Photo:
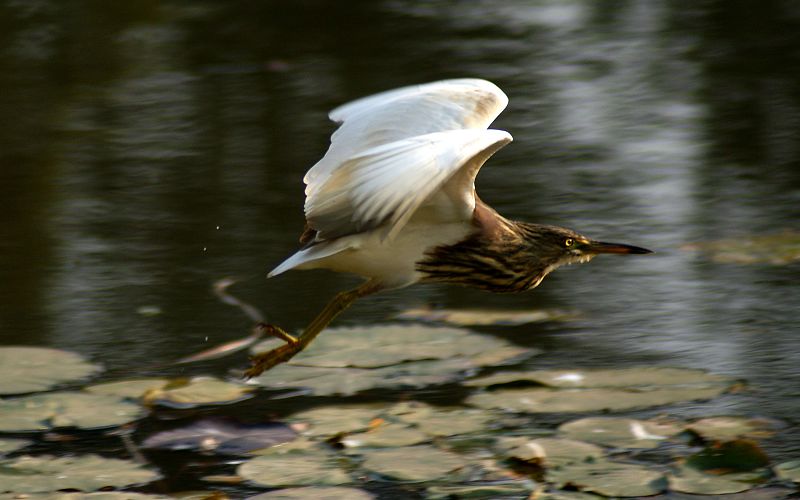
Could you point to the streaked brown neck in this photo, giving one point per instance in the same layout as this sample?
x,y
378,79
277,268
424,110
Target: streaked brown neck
x,y
496,257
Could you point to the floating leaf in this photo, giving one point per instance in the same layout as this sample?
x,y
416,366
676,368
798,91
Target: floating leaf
x,y
489,491
380,346
445,422
474,317
32,369
730,428
619,432
347,361
97,495
737,456
29,474
543,400
789,470
639,377
566,495
690,480
65,409
551,452
220,435
199,391
778,249
386,435
129,389
609,479
412,463
10,445
315,492
329,421
290,469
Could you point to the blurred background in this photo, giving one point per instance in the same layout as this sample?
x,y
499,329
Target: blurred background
x,y
149,148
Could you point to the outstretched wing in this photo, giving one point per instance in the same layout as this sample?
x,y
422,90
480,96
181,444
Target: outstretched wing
x,y
396,149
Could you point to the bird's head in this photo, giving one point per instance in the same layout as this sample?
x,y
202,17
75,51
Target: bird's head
x,y
551,247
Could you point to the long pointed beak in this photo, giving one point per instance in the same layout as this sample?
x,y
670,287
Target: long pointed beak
x,y
619,248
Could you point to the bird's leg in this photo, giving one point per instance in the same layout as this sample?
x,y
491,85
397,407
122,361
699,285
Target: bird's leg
x,y
264,361
277,332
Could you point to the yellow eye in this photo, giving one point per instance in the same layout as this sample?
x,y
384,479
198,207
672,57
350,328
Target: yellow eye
x,y
569,242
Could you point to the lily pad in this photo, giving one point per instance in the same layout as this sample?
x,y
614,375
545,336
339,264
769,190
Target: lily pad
x,y
223,436
544,400
291,469
731,428
346,361
777,249
488,491
690,480
315,492
551,452
198,391
609,479
10,445
329,421
740,455
476,317
129,389
379,346
386,435
40,474
412,463
42,412
32,369
97,495
639,377
789,470
620,432
446,422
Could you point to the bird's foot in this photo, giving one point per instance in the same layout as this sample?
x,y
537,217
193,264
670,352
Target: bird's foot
x,y
264,361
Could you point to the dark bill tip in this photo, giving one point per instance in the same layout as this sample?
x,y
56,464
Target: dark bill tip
x,y
620,248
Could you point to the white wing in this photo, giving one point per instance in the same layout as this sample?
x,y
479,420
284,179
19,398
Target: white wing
x,y
396,149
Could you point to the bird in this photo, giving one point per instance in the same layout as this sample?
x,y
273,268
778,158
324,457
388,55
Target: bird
x,y
393,200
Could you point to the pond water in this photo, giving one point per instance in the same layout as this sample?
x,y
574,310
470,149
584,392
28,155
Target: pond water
x,y
149,149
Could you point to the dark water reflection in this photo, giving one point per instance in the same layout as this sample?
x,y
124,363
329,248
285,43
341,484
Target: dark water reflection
x,y
151,148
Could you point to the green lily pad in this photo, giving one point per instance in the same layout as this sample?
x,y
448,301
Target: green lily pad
x,y
199,391
475,317
777,249
347,361
544,400
292,469
412,463
619,432
731,428
567,495
315,492
639,377
97,495
9,445
609,479
329,421
447,422
551,452
488,491
690,480
379,346
129,389
386,435
736,456
789,471
32,369
42,412
41,474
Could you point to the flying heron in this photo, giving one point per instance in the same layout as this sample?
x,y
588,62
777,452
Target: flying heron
x,y
393,200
